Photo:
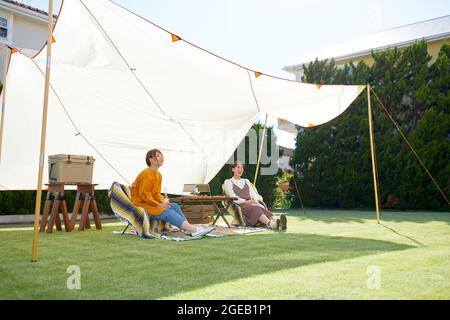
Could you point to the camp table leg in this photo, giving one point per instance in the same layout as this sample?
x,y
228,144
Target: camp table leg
x,y
220,213
58,222
55,210
76,208
87,223
60,199
48,205
84,212
67,226
98,224
215,220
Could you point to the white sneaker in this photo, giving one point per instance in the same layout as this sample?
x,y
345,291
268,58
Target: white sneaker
x,y
201,232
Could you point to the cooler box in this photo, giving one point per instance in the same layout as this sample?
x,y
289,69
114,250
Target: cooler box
x,y
70,169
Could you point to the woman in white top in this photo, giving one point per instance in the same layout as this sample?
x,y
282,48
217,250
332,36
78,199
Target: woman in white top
x,y
249,201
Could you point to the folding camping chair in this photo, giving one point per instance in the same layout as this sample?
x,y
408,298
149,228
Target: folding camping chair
x,y
126,211
236,211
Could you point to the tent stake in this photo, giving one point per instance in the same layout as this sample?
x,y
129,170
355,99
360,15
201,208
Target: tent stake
x,y
372,149
37,208
260,150
2,121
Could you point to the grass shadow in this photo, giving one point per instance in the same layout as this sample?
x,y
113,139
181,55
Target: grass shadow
x,y
128,267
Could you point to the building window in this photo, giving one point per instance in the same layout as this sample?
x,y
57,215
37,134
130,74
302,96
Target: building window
x,y
3,28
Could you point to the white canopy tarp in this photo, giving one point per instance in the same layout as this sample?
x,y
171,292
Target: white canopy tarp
x,y
121,86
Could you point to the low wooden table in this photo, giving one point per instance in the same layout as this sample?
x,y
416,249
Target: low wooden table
x,y
220,212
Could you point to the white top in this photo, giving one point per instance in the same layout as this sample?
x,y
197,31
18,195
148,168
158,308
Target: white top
x,y
228,188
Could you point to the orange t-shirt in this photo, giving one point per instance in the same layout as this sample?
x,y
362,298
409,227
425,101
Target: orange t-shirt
x,y
146,191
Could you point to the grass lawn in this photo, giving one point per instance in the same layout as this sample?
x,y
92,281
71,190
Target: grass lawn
x,y
323,255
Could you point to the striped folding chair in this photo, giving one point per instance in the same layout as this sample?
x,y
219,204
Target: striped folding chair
x,y
236,211
137,217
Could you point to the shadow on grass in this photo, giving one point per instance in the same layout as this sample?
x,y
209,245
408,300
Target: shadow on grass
x,y
213,261
403,235
128,267
333,216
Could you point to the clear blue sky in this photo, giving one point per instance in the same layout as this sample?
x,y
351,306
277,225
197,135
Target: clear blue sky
x,y
267,35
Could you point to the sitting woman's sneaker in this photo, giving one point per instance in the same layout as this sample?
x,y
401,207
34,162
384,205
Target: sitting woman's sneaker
x,y
283,222
201,232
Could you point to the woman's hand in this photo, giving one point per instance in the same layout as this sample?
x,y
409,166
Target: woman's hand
x,y
164,204
252,202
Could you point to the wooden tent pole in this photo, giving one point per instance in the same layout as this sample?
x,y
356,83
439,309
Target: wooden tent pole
x,y
2,121
372,148
260,150
37,208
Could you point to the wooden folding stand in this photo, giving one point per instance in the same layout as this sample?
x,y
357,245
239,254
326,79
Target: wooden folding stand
x,y
55,200
85,200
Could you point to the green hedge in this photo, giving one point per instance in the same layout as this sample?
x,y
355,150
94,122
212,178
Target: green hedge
x,y
23,202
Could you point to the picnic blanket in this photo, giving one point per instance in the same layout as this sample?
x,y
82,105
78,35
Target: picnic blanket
x,y
219,232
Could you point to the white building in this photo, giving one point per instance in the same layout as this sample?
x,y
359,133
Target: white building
x,y
435,31
285,158
21,26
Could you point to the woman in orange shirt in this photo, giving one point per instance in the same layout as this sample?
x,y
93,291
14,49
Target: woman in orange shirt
x,y
146,193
